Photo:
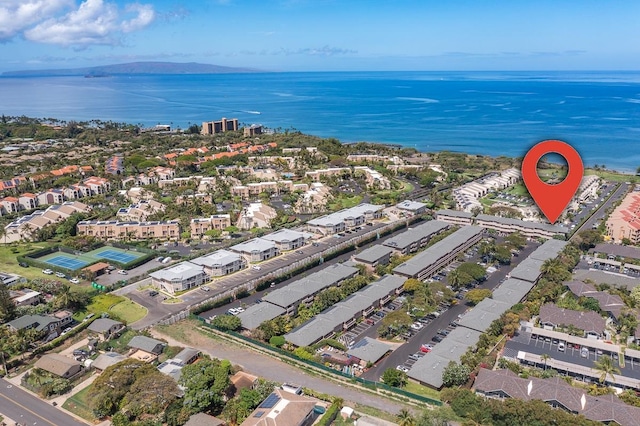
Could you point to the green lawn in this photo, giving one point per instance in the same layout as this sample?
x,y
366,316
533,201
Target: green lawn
x,y
422,390
79,405
9,262
129,311
345,202
611,176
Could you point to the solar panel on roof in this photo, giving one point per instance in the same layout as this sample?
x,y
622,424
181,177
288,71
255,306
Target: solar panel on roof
x,y
270,402
258,414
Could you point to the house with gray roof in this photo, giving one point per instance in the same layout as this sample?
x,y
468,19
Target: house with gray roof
x,y
383,289
48,325
179,277
415,237
548,250
590,322
426,263
258,313
106,360
616,251
257,249
288,239
315,329
105,327
147,344
60,365
483,314
187,355
369,350
512,291
373,256
220,263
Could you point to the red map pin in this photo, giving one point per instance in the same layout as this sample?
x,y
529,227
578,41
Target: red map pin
x,y
552,199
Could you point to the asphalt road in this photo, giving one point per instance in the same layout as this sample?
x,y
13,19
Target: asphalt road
x,y
401,355
600,213
26,408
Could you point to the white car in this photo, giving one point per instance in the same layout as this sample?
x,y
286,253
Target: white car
x,y
205,288
416,326
122,272
59,275
257,268
403,368
240,309
233,311
47,271
74,281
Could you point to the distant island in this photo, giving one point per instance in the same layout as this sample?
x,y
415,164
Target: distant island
x,y
134,68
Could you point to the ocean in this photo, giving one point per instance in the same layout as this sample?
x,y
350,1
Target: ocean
x,y
494,113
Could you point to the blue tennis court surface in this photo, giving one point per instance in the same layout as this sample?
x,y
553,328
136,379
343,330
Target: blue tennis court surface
x,y
116,256
67,262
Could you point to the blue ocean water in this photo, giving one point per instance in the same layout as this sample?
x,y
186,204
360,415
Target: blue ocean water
x,y
495,113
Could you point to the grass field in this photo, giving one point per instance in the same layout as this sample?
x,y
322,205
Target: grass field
x,y
518,189
129,311
9,263
422,390
345,202
79,405
611,176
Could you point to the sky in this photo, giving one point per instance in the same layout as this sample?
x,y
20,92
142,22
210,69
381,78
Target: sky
x,y
324,35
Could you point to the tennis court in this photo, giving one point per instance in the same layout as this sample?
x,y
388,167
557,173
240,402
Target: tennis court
x,y
115,254
66,261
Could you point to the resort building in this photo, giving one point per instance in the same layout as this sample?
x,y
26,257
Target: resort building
x,y
507,225
345,219
179,277
220,262
624,221
116,230
374,256
224,125
256,215
287,239
140,211
411,208
257,250
455,217
199,226
415,237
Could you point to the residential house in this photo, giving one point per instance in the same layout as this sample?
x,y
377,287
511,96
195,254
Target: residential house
x,y
105,327
199,226
106,360
10,205
147,344
51,196
283,408
28,201
60,365
256,215
140,211
25,297
552,317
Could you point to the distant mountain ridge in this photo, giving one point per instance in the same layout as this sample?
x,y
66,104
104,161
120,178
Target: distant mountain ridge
x,y
135,68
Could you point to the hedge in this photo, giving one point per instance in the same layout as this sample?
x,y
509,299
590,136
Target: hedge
x,y
330,415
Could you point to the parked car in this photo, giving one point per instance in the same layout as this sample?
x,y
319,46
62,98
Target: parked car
x,y
369,321
299,252
584,353
74,280
205,288
65,331
256,267
47,271
159,259
414,357
416,326
403,368
60,275
153,293
24,265
122,272
88,317
437,338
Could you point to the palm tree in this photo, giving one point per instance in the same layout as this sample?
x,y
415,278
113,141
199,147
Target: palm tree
x,y
606,367
545,358
405,418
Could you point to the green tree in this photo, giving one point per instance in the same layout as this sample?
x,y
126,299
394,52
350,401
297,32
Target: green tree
x,y
455,374
113,384
588,239
474,270
606,367
405,418
150,394
458,279
206,383
516,240
226,322
412,285
7,307
393,377
477,295
545,358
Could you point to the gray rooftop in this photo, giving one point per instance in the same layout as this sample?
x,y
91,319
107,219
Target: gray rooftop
x,y
557,229
307,334
369,349
602,277
454,213
416,234
312,284
483,314
186,354
512,291
342,215
373,254
217,258
145,343
528,270
383,286
178,272
256,314
103,324
429,369
107,359
433,254
286,235
256,245
410,205
548,250
617,250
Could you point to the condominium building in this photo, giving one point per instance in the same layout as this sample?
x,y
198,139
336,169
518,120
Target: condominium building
x,y
220,262
179,277
224,125
345,219
140,211
624,221
257,249
115,230
199,226
528,229
256,215
287,239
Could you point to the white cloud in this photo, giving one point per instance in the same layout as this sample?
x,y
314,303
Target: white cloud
x,y
18,15
63,22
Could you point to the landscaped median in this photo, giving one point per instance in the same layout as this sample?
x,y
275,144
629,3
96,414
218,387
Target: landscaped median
x,y
313,367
